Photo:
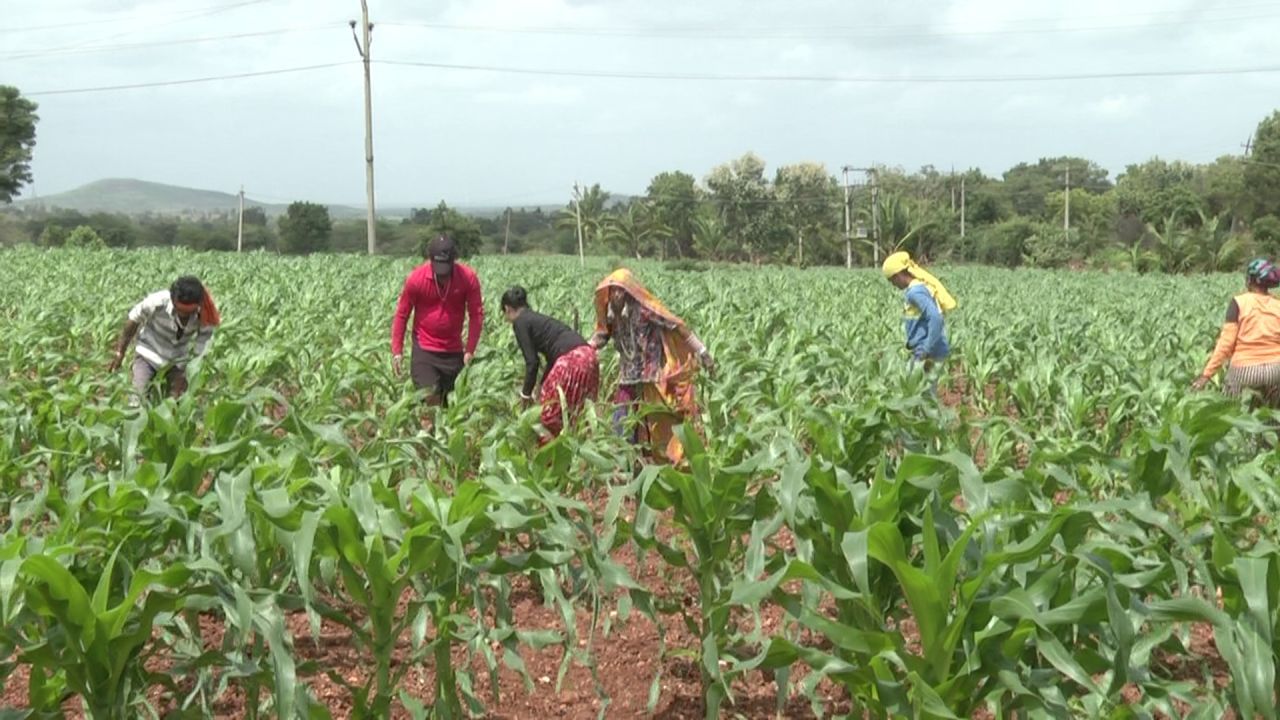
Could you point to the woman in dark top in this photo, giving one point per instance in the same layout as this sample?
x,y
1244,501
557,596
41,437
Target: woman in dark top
x,y
573,371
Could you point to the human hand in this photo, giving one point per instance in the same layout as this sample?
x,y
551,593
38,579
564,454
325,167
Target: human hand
x,y
467,358
116,361
1200,383
397,365
708,363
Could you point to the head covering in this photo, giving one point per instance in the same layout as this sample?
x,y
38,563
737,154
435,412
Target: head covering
x,y
675,386
1263,274
442,252
626,280
209,315
901,261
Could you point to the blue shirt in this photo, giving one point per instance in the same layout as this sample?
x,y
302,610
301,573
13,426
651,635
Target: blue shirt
x,y
926,336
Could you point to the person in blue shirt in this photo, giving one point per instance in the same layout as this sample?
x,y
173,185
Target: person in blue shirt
x,y
926,300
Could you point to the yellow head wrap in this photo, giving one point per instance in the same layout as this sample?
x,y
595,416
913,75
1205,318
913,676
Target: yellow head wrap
x,y
901,260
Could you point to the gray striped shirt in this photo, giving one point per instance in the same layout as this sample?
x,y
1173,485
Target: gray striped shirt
x,y
162,339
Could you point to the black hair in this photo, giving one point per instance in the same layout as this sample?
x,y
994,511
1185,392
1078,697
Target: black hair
x,y
515,298
187,289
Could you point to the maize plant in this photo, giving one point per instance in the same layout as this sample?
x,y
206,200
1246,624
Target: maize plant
x,y
1063,530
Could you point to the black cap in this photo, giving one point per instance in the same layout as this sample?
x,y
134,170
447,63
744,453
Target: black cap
x,y
442,252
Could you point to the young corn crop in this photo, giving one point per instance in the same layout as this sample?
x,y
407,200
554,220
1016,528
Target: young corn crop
x,y
1047,538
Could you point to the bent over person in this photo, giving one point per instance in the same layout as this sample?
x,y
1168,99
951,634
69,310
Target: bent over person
x,y
925,300
172,327
1250,338
573,370
440,294
658,359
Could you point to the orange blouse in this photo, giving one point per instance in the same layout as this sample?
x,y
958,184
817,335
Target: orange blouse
x,y
1251,334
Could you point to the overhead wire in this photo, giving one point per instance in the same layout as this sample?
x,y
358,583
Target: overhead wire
x,y
188,81
835,79
22,55
187,15
838,32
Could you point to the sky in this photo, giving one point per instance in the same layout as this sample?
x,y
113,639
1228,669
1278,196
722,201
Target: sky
x,y
661,85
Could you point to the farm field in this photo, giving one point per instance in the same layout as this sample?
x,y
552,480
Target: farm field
x,y
1066,531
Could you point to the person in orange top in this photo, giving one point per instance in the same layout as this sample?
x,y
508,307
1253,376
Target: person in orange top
x,y
658,360
1250,338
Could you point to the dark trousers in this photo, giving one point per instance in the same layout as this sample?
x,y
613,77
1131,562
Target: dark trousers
x,y
435,372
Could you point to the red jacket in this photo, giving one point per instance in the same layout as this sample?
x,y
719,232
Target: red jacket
x,y
438,311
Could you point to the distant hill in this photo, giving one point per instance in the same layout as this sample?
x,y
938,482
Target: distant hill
x,y
139,197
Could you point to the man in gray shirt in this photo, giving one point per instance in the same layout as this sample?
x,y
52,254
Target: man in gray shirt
x,y
170,325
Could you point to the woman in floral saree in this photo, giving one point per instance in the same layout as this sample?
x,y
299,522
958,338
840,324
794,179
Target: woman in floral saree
x,y
658,359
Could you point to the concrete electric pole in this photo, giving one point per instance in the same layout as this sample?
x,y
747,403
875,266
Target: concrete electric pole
x,y
577,213
363,47
848,237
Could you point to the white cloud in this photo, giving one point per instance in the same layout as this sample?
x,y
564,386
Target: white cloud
x,y
1118,107
538,94
301,133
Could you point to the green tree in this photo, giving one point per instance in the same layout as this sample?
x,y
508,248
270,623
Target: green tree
x,y
1156,189
255,216
1224,189
463,229
1262,169
674,197
305,228
742,194
808,204
53,235
1266,235
632,230
86,238
1028,185
592,205
709,239
1093,220
17,140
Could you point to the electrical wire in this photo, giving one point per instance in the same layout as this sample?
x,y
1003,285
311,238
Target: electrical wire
x,y
854,79
187,15
23,55
187,81
825,32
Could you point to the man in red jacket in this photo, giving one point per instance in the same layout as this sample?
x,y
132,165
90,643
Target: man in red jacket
x,y
437,293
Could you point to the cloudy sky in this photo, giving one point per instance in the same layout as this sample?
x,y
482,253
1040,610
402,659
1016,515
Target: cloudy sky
x,y
659,85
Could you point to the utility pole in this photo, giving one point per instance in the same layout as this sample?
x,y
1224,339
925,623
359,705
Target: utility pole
x,y
875,215
953,189
506,239
240,226
961,207
1066,208
363,47
577,212
848,237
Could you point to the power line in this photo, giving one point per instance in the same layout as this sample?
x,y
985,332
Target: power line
x,y
77,50
813,33
863,79
187,81
187,14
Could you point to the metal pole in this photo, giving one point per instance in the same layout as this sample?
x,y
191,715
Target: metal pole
x,y
577,212
875,216
240,225
367,34
1066,208
961,208
506,239
848,237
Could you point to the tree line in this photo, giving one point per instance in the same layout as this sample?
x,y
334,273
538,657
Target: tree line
x,y
1159,215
